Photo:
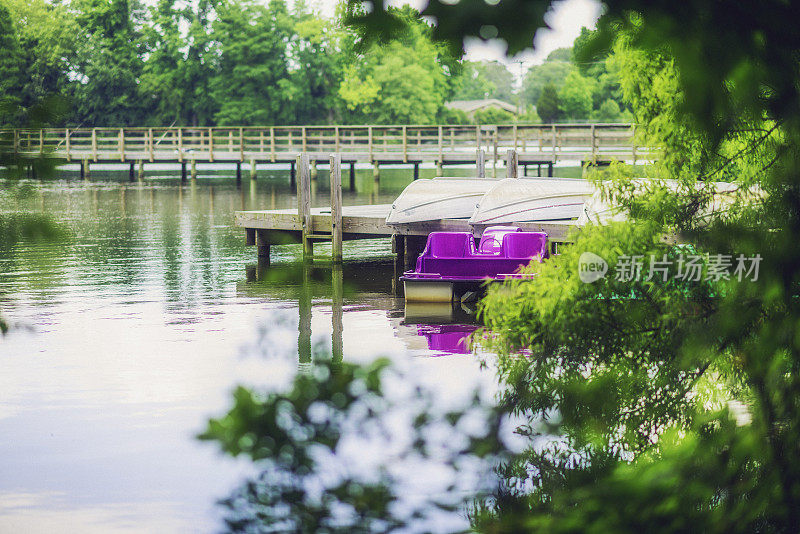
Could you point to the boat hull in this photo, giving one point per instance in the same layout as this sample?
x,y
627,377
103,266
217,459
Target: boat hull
x,y
438,198
515,200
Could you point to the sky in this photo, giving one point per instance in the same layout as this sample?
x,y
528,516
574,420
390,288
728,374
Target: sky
x,y
566,19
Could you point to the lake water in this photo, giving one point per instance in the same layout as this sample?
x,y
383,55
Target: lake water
x,y
131,332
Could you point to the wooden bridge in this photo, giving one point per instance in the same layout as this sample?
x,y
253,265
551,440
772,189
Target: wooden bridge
x,y
447,144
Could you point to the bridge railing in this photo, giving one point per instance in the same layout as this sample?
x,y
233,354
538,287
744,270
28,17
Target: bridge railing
x,y
275,142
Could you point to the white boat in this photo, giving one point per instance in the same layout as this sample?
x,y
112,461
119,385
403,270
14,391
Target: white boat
x,y
598,210
515,200
438,198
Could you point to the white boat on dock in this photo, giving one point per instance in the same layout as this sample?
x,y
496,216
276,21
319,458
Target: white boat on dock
x,y
516,200
482,201
438,198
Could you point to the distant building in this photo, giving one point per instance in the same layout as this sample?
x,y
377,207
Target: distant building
x,y
470,107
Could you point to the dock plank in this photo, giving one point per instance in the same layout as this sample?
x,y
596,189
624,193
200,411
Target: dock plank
x,y
370,221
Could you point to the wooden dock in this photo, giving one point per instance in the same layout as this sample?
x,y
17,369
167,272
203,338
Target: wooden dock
x,y
337,223
534,144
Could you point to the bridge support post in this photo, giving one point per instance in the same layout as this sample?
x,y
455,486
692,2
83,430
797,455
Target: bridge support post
x,y
480,163
253,172
292,174
238,172
416,171
140,175
193,169
130,171
183,171
313,170
376,172
550,170
85,169
352,176
439,169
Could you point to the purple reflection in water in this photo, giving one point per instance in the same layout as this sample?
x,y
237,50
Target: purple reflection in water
x,y
451,338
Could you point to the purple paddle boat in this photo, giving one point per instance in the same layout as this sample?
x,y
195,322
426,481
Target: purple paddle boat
x,y
451,265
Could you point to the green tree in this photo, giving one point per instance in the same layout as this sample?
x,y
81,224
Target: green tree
x,y
46,36
404,80
179,64
11,70
485,79
608,112
594,64
560,54
494,116
575,97
317,58
108,62
548,106
551,73
252,84
163,80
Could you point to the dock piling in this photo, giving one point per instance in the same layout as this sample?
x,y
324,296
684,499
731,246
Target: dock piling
x,y
416,171
304,323
337,305
253,171
352,176
336,207
183,171
238,172
262,246
399,250
193,169
131,172
140,175
304,203
413,247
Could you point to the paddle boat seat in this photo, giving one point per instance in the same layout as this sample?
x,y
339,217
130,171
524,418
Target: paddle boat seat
x,y
451,259
525,245
492,238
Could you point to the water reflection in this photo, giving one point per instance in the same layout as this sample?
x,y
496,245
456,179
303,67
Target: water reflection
x,y
133,331
441,328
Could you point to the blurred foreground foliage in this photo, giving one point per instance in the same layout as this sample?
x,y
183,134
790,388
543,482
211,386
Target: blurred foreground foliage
x,y
342,451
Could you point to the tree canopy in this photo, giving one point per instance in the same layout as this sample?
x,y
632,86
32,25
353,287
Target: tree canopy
x,y
241,62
